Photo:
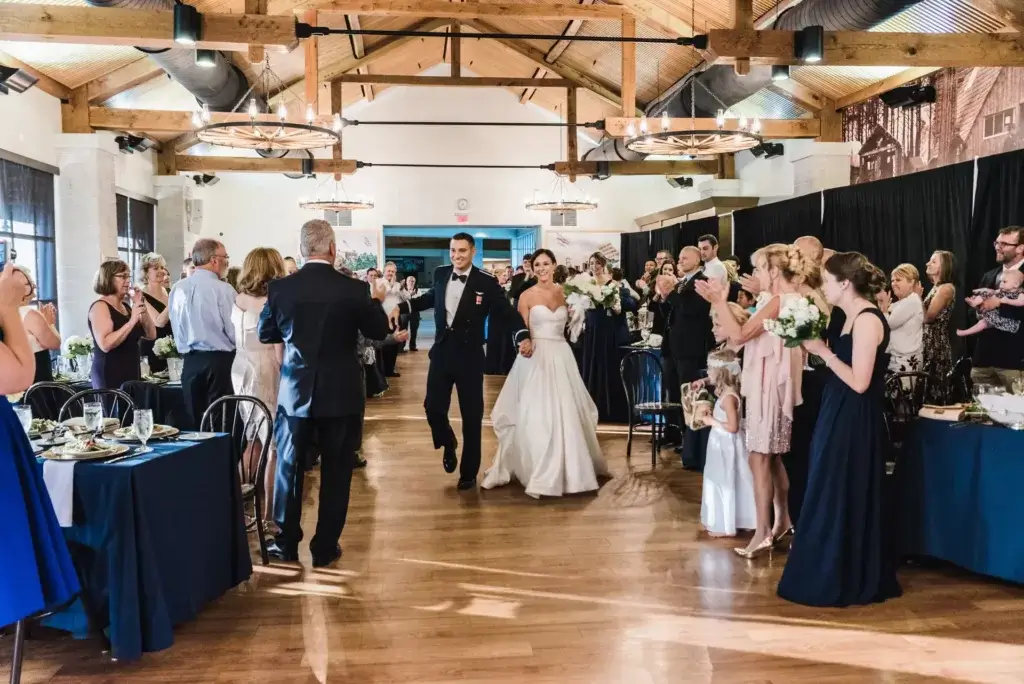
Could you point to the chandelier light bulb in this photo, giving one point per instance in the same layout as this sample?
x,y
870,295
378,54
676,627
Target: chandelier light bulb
x,y
253,109
282,112
643,126
720,119
664,121
743,122
197,119
631,130
757,125
338,123
205,113
310,115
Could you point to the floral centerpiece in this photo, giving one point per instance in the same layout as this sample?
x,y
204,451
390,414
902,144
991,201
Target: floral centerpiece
x,y
799,320
77,355
76,346
165,348
583,293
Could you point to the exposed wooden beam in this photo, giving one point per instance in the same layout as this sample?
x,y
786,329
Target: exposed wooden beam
x,y
382,49
183,142
163,121
895,81
742,20
628,66
355,39
119,80
260,165
312,63
653,13
570,30
572,143
256,52
1010,12
770,128
456,43
701,167
831,123
727,166
45,83
866,48
141,28
528,93
538,57
767,20
472,10
367,87
488,81
166,161
75,114
336,106
798,93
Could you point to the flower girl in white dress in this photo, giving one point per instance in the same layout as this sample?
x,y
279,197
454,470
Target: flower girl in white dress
x,y
544,418
727,501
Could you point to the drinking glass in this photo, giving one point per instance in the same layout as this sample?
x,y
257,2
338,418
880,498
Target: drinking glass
x,y
92,414
144,428
24,414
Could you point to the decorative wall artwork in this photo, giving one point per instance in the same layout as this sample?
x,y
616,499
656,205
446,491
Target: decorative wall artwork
x,y
573,248
358,249
977,112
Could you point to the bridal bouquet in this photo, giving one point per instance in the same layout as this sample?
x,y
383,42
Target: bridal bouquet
x,y
582,293
799,319
76,346
165,348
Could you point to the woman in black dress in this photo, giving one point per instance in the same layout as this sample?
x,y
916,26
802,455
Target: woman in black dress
x,y
838,557
603,337
117,327
154,276
40,324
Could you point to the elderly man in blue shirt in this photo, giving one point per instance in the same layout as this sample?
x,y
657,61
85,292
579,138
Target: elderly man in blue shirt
x,y
201,308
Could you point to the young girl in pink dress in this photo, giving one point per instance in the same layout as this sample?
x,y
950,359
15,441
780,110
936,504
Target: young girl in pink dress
x,y
771,385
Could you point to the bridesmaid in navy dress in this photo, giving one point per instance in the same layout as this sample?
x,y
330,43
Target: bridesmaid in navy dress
x,y
839,555
603,338
117,327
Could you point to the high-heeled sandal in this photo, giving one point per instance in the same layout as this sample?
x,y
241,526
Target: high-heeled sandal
x,y
790,532
766,546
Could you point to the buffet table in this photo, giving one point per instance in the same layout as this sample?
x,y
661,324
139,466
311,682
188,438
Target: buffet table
x,y
958,490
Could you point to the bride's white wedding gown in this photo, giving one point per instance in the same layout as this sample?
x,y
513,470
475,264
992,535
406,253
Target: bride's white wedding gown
x,y
544,417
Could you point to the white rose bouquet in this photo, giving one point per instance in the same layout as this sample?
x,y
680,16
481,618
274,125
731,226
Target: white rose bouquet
x,y
75,346
799,320
165,348
582,293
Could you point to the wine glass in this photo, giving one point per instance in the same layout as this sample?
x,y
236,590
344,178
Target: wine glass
x,y
92,415
144,428
24,414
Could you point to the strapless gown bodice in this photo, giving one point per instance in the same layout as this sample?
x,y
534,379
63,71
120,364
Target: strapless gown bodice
x,y
546,324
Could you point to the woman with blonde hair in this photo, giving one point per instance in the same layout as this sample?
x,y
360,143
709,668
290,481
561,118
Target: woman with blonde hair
x,y
771,385
40,324
905,312
154,278
256,370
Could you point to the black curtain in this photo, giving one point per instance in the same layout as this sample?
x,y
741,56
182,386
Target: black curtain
x,y
691,230
998,203
667,239
27,220
143,228
782,222
633,252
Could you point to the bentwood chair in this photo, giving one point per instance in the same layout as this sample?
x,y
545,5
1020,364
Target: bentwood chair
x,y
961,387
116,404
905,393
247,420
640,371
46,399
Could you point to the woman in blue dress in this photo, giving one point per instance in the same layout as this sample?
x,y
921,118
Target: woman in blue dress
x,y
605,334
36,573
839,556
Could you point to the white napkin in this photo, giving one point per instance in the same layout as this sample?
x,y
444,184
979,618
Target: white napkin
x,y
59,477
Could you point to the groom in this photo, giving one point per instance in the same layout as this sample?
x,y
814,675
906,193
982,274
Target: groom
x,y
462,297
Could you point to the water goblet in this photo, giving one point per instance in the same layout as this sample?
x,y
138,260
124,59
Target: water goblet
x,y
92,415
24,414
143,428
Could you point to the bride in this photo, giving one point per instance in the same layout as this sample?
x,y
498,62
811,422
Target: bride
x,y
544,417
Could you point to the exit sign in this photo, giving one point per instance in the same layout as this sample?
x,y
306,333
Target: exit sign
x,y
462,218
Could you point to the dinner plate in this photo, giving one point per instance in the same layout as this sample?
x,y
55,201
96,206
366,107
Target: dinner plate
x,y
108,451
197,436
127,434
78,424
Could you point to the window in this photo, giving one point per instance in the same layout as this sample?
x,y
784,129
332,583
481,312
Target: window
x,y
135,232
27,223
999,123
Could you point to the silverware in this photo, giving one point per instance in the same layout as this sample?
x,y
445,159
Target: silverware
x,y
130,454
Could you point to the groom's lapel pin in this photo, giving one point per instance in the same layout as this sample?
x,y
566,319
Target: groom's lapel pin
x,y
479,298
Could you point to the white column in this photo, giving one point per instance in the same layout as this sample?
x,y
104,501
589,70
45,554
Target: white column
x,y
86,230
820,166
172,194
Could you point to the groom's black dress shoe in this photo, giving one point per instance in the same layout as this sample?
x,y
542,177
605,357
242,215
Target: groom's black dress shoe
x,y
451,458
465,484
275,551
323,561
360,462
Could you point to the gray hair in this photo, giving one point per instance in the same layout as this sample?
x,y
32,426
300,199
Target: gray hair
x,y
203,251
316,238
391,263
150,260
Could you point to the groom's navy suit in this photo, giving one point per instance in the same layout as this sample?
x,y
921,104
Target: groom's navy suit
x,y
457,357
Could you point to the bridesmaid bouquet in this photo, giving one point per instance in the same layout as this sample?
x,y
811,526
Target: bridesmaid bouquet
x,y
165,348
799,319
582,293
76,346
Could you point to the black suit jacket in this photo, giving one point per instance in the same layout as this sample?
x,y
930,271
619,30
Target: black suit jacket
x,y
688,322
996,348
520,283
481,298
318,314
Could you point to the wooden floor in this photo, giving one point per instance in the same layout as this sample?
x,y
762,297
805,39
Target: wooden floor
x,y
618,587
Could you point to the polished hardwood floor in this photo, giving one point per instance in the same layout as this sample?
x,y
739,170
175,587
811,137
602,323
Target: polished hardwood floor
x,y
492,586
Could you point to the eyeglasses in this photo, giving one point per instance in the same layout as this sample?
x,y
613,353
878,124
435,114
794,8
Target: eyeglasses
x,y
1000,243
123,276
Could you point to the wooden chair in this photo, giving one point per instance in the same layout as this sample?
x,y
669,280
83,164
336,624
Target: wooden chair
x,y
250,429
116,404
640,371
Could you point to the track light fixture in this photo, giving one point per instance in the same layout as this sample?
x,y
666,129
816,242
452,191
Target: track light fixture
x,y
768,150
909,96
681,182
12,78
131,143
307,166
206,58
780,72
809,44
188,24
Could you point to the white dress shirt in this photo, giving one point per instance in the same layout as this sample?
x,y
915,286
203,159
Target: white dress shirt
x,y
453,294
906,326
715,270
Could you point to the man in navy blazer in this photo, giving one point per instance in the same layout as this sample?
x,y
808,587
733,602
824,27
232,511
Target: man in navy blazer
x,y
318,314
462,298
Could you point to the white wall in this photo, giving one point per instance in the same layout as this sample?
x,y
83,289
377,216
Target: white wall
x,y
249,210
806,167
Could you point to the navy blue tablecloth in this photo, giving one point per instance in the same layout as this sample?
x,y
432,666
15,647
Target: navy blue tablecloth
x,y
154,539
958,493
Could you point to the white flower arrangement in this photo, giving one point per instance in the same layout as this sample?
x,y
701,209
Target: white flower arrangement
x,y
799,319
582,293
165,348
76,346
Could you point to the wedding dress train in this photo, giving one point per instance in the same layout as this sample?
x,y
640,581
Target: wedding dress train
x,y
544,417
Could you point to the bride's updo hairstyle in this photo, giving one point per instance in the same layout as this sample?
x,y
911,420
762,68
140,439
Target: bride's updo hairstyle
x,y
866,279
795,266
546,252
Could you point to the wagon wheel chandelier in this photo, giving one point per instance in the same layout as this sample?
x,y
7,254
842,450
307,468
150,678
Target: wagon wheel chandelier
x,y
255,129
336,200
561,197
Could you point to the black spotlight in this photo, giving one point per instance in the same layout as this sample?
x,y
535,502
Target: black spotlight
x,y
131,143
603,171
206,58
307,167
773,150
809,44
205,179
908,96
188,24
681,182
758,151
780,72
12,78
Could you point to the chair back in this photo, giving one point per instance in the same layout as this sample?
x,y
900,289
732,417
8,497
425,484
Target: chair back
x,y
116,404
961,388
905,393
46,399
248,421
640,371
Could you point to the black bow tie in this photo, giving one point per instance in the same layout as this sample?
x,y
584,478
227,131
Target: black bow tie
x,y
456,276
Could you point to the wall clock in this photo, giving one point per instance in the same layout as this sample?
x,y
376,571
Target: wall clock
x,y
462,204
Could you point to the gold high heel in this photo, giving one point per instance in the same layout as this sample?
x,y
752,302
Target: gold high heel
x,y
766,546
791,532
